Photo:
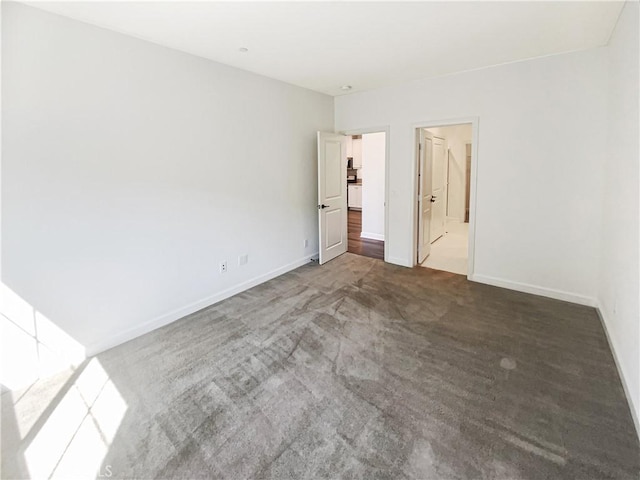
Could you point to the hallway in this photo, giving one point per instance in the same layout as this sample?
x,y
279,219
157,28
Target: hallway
x,y
358,245
450,252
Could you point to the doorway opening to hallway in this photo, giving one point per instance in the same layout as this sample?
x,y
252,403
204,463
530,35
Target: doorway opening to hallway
x,y
444,183
366,156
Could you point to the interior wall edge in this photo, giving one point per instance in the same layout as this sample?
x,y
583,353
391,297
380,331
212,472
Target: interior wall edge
x,y
534,289
118,338
616,359
400,261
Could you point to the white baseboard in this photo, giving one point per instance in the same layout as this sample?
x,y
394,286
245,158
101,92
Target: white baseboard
x,y
170,317
623,378
372,236
536,290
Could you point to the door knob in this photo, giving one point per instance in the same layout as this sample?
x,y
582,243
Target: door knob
x,y
433,199
323,206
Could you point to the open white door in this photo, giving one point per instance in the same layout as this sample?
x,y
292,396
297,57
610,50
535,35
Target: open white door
x,y
438,191
425,194
332,195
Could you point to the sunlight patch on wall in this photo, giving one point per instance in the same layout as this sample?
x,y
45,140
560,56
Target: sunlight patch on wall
x,y
32,345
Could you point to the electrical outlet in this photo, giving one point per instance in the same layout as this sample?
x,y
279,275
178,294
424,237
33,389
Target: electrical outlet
x,y
243,259
306,243
223,267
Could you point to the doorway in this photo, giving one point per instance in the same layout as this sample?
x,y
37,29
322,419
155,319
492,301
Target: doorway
x,y
444,181
366,155
344,162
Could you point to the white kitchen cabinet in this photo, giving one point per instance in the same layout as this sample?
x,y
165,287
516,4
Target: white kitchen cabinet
x,y
355,196
356,152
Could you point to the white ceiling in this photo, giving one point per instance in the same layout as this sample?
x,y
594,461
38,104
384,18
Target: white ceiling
x,y
324,45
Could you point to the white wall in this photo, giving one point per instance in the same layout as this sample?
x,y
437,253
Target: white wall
x,y
541,143
618,286
457,137
373,153
130,171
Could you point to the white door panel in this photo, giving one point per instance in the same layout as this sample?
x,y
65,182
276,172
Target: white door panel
x,y
333,228
425,191
333,170
332,195
438,187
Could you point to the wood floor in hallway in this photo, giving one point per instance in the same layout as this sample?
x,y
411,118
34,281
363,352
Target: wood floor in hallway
x,y
359,245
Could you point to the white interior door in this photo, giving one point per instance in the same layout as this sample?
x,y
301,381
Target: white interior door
x,y
425,162
439,177
332,195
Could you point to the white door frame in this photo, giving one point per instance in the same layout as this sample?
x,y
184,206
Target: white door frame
x,y
387,130
474,121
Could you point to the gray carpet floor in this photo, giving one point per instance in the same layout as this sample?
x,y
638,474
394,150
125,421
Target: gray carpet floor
x,y
356,369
